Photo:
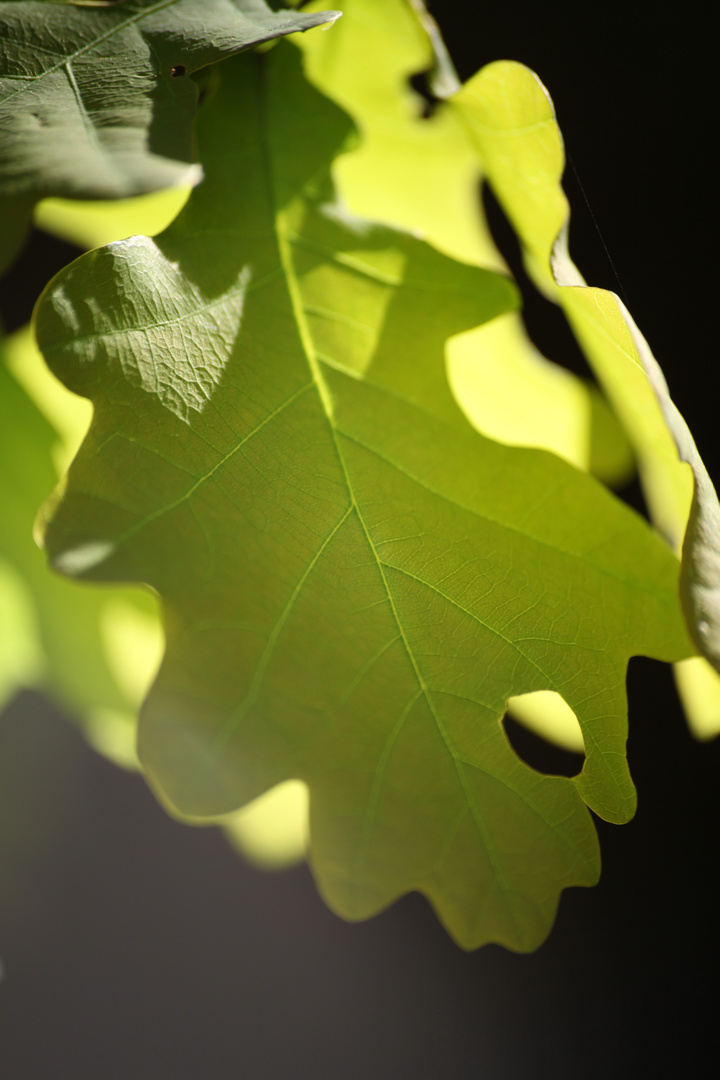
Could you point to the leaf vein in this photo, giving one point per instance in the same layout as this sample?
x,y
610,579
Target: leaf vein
x,y
161,510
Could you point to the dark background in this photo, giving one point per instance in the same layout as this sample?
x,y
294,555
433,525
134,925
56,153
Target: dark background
x,y
138,949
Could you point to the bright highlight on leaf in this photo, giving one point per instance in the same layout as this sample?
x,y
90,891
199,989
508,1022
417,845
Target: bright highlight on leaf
x,y
354,580
548,715
92,224
273,831
424,175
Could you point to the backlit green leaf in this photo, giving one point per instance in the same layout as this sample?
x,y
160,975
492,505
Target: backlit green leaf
x,y
53,635
423,174
354,580
272,830
510,119
92,224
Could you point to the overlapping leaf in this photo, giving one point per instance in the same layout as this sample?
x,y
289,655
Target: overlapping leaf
x,y
510,119
424,174
91,224
354,580
96,651
96,100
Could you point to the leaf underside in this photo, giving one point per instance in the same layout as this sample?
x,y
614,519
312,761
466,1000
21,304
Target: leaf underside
x,y
96,102
354,580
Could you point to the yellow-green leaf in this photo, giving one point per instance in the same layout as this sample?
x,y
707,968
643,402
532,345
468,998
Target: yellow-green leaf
x,y
510,119
354,580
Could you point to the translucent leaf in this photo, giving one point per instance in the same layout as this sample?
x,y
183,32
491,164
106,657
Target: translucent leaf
x,y
354,580
424,175
50,631
510,119
273,830
699,689
92,224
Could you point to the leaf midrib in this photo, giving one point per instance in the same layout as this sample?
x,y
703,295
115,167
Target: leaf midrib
x,y
283,233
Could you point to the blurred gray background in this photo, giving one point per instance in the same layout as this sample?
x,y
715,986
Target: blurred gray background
x,y
135,948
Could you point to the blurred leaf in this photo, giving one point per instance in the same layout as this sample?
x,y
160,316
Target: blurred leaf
x,y
15,213
699,689
50,631
511,393
510,119
93,224
354,581
21,659
273,830
68,414
413,173
423,174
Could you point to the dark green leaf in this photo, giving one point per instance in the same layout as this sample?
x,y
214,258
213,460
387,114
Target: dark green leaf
x,y
97,102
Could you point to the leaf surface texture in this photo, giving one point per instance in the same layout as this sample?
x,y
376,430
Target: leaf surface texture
x,y
96,101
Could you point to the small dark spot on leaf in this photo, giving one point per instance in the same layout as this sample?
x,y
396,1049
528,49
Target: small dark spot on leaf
x,y
178,71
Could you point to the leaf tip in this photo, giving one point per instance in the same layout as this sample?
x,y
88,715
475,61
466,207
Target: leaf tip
x,y
333,17
193,176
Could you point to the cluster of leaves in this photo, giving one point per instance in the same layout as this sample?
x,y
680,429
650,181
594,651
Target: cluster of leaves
x,y
373,515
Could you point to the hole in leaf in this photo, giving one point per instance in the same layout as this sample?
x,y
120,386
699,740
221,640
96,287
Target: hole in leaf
x,y
544,733
178,71
540,754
